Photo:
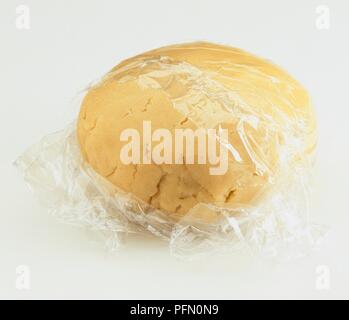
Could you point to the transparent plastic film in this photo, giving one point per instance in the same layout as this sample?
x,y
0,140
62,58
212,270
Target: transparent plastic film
x,y
250,191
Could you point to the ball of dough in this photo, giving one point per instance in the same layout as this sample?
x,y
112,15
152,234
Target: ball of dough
x,y
268,116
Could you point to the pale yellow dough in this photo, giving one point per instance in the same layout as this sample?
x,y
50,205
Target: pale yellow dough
x,y
268,114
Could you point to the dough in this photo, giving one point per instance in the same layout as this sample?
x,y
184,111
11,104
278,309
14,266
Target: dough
x,y
268,115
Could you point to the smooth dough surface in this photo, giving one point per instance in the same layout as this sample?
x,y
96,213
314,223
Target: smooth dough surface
x,y
267,113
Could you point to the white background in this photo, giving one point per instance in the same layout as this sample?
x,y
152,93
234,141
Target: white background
x,y
70,44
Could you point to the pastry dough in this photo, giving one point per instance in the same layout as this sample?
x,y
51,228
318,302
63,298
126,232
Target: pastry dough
x,y
268,115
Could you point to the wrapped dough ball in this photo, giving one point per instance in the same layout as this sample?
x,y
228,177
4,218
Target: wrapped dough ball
x,y
267,114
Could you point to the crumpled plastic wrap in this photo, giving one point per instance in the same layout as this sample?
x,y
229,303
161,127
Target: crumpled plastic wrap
x,y
277,225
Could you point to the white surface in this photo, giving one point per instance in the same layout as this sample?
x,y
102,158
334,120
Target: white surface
x,y
71,43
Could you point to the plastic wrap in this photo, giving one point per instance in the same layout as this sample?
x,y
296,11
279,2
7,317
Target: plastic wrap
x,y
276,223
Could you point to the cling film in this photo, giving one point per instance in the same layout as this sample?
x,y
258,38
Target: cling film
x,y
256,197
